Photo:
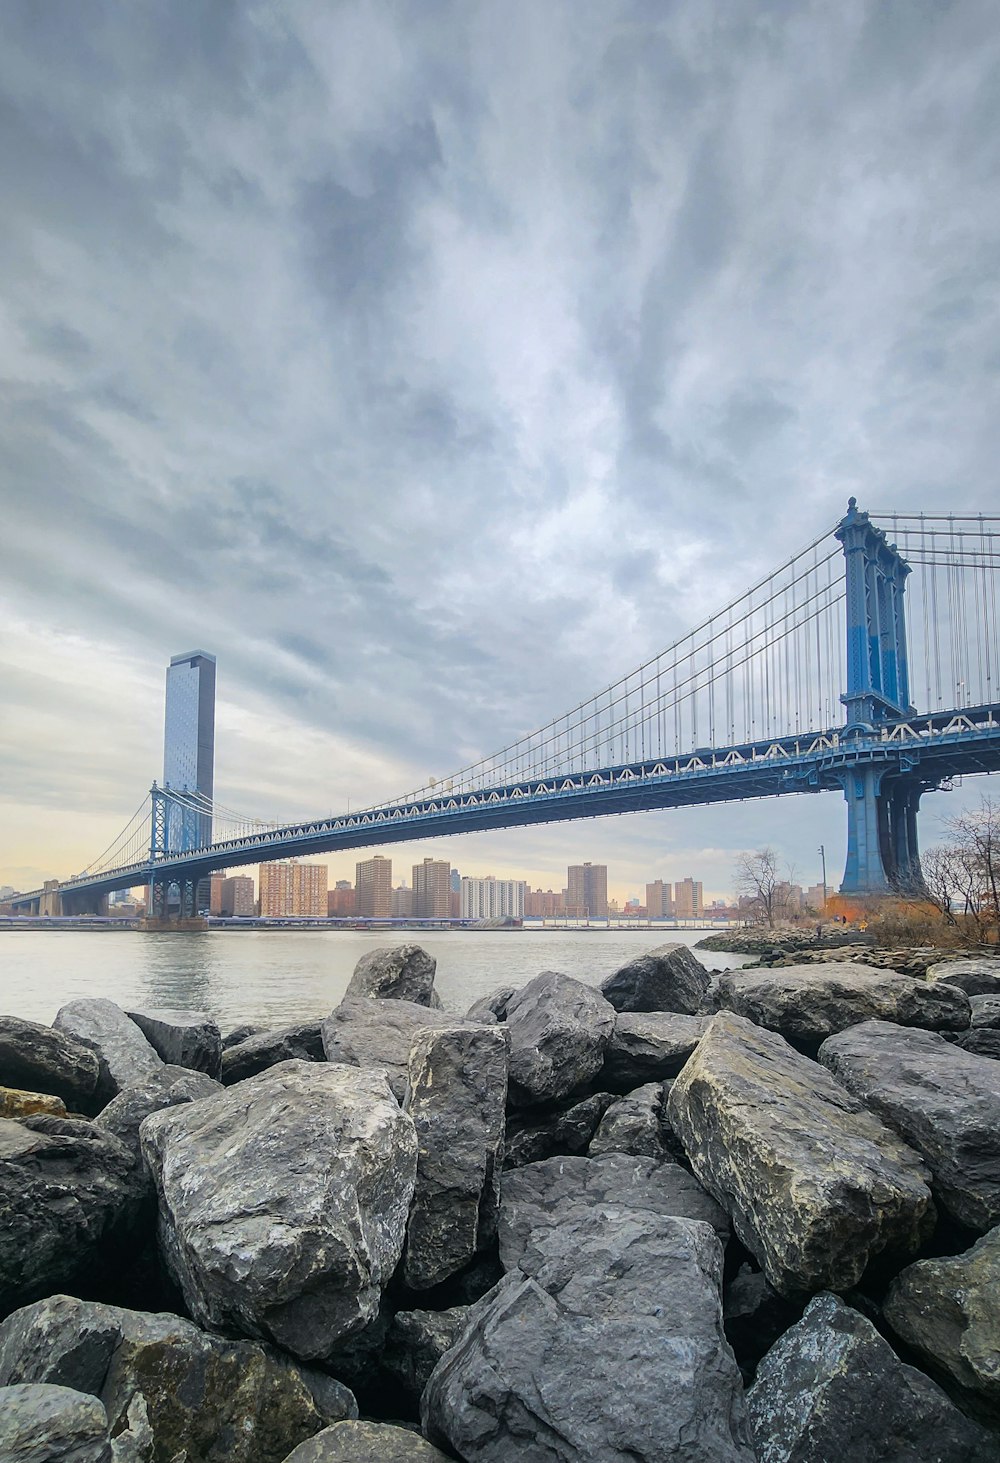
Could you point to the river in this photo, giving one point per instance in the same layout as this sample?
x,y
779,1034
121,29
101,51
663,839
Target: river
x,y
277,977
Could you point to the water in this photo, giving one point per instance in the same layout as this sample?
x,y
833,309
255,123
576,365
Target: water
x,y
277,977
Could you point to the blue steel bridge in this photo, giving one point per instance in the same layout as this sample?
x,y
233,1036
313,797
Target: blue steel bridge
x,y
868,665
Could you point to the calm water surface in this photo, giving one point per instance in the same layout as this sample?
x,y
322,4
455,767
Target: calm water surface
x,y
276,977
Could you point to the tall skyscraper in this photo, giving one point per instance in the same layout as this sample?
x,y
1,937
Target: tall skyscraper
x,y
689,902
373,882
659,904
189,745
432,889
492,898
587,890
293,888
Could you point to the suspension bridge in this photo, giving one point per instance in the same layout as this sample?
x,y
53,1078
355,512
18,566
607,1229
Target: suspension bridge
x,y
807,683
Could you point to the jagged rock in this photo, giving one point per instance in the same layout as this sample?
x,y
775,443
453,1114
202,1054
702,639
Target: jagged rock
x,y
457,1097
985,1012
37,1058
241,1033
976,977
17,1104
168,1087
124,1055
52,1425
369,1033
755,1316
807,1003
561,1191
405,973
182,1038
69,1201
943,1101
608,1345
668,978
632,1125
649,1046
283,1201
947,1311
832,1388
136,1444
569,1130
367,1442
815,1185
204,1397
558,1028
302,1043
416,1342
983,1042
492,1007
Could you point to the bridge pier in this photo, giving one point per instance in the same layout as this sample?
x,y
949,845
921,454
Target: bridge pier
x,y
882,849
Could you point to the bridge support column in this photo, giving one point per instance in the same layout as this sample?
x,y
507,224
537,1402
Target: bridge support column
x,y
865,871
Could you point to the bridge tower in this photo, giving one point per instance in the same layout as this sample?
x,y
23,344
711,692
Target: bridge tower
x,y
881,798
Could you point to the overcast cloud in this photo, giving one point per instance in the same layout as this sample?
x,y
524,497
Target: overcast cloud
x,y
432,364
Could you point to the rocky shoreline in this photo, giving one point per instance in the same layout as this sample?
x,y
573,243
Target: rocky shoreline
x,y
750,1216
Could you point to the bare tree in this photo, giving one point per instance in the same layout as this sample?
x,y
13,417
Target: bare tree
x,y
760,879
961,878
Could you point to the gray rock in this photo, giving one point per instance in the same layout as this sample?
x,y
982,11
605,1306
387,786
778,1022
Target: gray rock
x,y
815,1185
69,1203
558,1028
168,1087
807,1003
301,1043
363,1032
41,1059
124,1055
492,1007
611,1348
669,978
632,1125
832,1388
241,1033
283,1202
182,1038
985,1012
977,977
983,1042
568,1130
457,1098
755,1316
367,1442
947,1311
205,1397
416,1342
52,1425
943,1101
405,973
562,1191
649,1047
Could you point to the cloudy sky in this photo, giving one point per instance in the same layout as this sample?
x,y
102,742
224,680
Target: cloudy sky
x,y
434,363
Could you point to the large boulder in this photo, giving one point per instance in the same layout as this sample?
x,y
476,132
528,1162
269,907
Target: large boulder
x,y
169,1087
982,1041
182,1038
69,1204
457,1098
564,1130
367,1442
985,1012
815,1185
633,1124
405,973
203,1397
559,1029
124,1055
560,1192
832,1388
283,1202
945,1102
649,1046
364,1032
669,978
947,1311
255,1054
977,976
15,1103
605,1344
38,1058
807,1003
41,1424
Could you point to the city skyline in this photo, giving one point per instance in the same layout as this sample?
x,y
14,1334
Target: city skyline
x,y
560,329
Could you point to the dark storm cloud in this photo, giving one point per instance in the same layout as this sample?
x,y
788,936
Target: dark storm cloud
x,y
434,364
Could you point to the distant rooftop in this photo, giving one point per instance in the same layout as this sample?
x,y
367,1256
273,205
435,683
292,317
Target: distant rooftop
x,y
192,655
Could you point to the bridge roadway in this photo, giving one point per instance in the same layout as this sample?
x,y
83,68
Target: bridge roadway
x,y
925,751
